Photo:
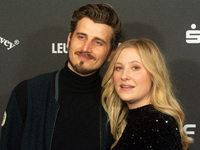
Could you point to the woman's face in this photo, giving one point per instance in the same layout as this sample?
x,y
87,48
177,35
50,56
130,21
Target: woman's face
x,y
132,80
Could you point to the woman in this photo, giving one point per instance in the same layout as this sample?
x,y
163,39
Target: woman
x,y
143,111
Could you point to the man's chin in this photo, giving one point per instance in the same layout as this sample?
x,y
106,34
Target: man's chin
x,y
84,71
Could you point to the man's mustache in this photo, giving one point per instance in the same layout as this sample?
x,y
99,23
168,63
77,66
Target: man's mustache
x,y
85,55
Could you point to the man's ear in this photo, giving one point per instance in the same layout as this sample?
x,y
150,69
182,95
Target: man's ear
x,y
110,55
68,40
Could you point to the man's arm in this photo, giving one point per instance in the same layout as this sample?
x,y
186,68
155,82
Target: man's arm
x,y
14,118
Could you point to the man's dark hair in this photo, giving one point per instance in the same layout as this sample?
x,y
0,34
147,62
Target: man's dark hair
x,y
99,13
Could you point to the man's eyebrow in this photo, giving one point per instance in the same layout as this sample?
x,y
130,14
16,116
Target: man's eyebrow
x,y
80,33
100,39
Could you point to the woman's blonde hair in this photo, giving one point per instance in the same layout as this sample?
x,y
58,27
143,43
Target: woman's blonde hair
x,y
162,97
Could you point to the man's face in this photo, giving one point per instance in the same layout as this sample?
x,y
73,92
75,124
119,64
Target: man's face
x,y
89,46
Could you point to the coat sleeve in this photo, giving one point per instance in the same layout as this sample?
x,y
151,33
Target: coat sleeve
x,y
12,126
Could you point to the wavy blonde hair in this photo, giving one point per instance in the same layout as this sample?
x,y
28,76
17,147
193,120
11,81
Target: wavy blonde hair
x,y
162,98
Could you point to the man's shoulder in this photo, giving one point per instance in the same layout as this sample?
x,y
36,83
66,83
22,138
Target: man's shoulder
x,y
32,85
22,86
38,82
43,77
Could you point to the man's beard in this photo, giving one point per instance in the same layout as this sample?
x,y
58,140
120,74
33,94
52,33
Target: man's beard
x,y
80,69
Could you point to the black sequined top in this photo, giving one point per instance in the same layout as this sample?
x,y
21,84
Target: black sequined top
x,y
149,129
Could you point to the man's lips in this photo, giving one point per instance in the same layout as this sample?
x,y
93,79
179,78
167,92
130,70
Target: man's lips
x,y
84,55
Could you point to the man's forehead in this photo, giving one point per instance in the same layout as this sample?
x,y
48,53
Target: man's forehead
x,y
90,28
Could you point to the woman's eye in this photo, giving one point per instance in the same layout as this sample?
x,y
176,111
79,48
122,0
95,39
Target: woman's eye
x,y
135,68
118,68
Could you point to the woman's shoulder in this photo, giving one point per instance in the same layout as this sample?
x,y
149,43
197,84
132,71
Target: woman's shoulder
x,y
163,129
160,131
151,129
158,118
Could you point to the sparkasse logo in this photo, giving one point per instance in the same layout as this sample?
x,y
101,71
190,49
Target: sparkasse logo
x,y
9,45
193,36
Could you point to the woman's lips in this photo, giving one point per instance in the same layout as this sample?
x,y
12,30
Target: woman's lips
x,y
126,87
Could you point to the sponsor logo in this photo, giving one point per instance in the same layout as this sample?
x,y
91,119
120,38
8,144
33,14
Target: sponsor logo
x,y
9,45
4,119
193,36
59,48
188,128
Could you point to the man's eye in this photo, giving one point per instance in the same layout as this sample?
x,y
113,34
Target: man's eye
x,y
98,43
81,37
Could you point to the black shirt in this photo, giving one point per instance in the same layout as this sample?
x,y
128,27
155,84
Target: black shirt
x,y
77,124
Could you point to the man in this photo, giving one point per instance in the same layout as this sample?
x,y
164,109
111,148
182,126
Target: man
x,y
62,110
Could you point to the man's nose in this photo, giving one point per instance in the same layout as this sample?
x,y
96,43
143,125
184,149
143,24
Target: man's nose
x,y
87,46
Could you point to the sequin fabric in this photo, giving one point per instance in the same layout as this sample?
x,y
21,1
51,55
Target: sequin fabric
x,y
149,129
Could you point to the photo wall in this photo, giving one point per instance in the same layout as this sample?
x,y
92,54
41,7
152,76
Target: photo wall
x,y
33,37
